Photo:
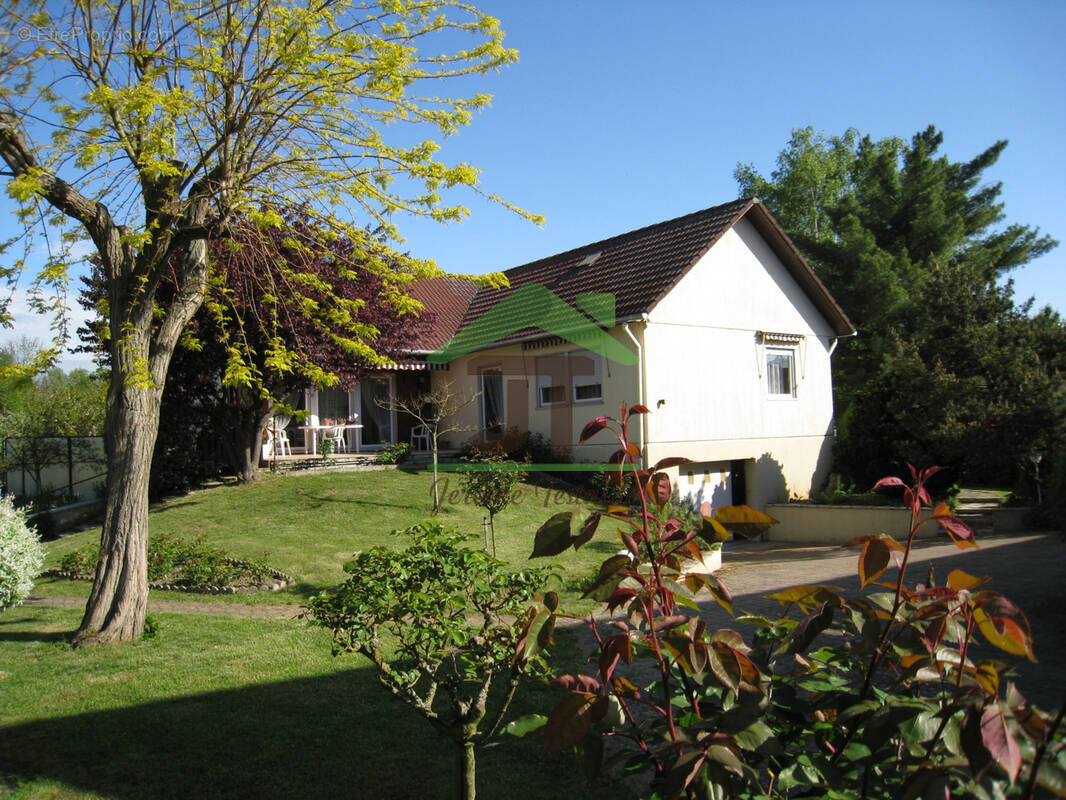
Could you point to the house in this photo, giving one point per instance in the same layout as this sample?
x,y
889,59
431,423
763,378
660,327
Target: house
x,y
712,320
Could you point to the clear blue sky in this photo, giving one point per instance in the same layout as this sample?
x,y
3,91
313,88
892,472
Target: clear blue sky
x,y
623,113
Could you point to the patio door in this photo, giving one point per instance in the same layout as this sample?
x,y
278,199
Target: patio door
x,y
378,428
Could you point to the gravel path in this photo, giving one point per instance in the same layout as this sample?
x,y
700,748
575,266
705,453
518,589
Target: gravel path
x,y
207,607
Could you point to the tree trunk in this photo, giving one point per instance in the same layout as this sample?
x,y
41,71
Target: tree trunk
x,y
467,771
141,349
119,598
436,491
243,421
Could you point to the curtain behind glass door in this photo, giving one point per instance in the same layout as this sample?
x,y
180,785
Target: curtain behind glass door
x,y
376,421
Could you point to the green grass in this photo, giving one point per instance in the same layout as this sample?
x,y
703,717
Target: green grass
x,y
309,525
236,707
219,707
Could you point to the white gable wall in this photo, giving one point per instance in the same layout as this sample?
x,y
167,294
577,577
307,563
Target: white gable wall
x,y
706,372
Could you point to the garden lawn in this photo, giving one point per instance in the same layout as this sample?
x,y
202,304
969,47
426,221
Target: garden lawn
x,y
308,525
217,707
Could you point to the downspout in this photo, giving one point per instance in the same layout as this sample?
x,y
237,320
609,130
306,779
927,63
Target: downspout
x,y
641,386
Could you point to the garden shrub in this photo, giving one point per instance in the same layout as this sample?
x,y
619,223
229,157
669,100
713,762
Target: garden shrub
x,y
175,561
21,555
444,624
395,453
885,694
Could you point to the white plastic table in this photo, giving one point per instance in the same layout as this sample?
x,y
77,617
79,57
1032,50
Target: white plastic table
x,y
315,429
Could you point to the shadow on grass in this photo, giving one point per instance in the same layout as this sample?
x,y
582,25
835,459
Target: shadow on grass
x,y
338,735
29,636
313,500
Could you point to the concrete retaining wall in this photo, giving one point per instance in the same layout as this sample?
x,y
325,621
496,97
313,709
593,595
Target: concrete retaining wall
x,y
814,524
54,521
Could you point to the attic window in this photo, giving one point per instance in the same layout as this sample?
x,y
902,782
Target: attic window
x,y
590,259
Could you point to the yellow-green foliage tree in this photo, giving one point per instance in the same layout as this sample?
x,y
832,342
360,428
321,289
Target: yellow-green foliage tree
x,y
146,127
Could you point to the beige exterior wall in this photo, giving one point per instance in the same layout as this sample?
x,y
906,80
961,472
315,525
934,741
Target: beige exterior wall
x,y
561,422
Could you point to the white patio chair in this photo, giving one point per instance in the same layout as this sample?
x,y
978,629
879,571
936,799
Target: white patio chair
x,y
277,427
420,439
335,435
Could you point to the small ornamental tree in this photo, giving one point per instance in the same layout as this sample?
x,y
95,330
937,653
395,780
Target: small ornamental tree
x,y
490,483
449,628
438,410
880,695
21,555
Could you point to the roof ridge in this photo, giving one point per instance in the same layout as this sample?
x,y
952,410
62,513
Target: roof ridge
x,y
643,230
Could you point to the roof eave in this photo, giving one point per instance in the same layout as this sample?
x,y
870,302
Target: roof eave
x,y
797,265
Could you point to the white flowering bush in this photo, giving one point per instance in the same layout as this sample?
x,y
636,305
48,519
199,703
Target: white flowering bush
x,y
21,555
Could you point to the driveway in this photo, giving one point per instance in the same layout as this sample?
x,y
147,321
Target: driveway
x,y
1029,569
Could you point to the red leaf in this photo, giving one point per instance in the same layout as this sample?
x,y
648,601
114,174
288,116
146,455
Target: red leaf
x,y
873,560
553,537
659,489
588,530
673,461
929,473
886,482
593,428
569,722
619,598
1003,624
744,520
577,683
997,739
959,580
959,531
719,591
639,409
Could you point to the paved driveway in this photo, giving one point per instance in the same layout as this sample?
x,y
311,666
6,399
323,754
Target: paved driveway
x,y
1028,569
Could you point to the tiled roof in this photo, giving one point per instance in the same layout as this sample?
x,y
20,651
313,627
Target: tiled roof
x,y
447,297
641,266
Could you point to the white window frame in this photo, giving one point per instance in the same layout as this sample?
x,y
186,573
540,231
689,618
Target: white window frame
x,y
771,370
581,381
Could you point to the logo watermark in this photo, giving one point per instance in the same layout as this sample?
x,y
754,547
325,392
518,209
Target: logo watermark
x,y
561,382
522,494
74,34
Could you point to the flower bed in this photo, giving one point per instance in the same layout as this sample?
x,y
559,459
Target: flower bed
x,y
180,566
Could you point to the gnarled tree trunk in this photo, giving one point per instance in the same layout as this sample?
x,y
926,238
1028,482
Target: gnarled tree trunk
x,y
141,349
119,598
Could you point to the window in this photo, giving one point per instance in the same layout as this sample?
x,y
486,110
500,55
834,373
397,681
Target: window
x,y
581,370
551,380
587,376
781,373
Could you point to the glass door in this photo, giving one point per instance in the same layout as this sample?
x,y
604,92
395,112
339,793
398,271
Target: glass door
x,y
491,379
377,421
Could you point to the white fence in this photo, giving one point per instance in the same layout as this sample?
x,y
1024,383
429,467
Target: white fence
x,y
67,468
